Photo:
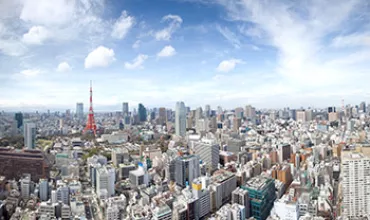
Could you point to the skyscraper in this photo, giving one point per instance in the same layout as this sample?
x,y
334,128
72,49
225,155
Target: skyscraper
x,y
162,116
355,185
125,109
180,119
142,112
19,119
207,111
30,135
187,169
80,110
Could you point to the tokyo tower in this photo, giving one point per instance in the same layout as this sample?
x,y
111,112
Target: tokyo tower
x,y
90,125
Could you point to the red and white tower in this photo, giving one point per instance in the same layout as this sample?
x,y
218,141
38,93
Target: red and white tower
x,y
90,125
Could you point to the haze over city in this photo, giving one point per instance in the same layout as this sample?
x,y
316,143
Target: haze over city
x,y
271,54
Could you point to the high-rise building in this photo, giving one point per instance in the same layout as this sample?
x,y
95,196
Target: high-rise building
x,y
301,116
142,113
261,191
223,183
125,110
240,196
355,185
187,169
44,189
30,135
102,182
208,152
80,110
198,113
250,112
237,122
309,115
362,107
180,119
331,109
239,113
162,116
26,186
284,152
207,111
19,119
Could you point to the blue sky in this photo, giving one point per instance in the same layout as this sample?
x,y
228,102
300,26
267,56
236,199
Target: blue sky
x,y
267,53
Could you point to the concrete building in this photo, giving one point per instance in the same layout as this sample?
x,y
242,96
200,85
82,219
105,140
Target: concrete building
x,y
301,116
355,185
180,119
47,208
223,183
261,191
208,152
162,212
44,189
30,135
26,186
240,196
187,169
80,110
125,110
162,116
120,155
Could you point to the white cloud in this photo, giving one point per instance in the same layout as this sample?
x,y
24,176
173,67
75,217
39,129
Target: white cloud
x,y
47,12
100,57
228,65
174,24
167,51
136,44
31,72
122,26
230,36
356,39
137,62
299,38
63,67
36,35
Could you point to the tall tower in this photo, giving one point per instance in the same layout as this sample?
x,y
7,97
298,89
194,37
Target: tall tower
x,y
180,119
90,124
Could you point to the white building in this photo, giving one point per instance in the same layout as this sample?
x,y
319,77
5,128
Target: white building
x,y
355,185
208,152
26,186
47,208
30,135
286,209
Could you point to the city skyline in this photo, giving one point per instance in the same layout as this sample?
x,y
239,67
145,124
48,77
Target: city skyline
x,y
268,54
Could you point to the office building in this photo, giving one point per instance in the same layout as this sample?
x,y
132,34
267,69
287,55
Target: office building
x,y
125,110
44,189
331,109
30,135
180,119
202,196
26,186
240,196
19,119
309,115
362,107
47,209
187,169
162,116
62,193
142,113
207,111
250,112
333,116
223,183
208,153
162,212
355,185
239,113
15,163
198,113
261,191
80,110
237,122
119,156
301,116
284,152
